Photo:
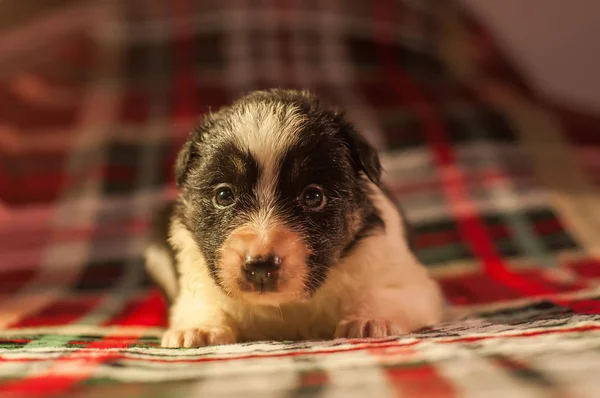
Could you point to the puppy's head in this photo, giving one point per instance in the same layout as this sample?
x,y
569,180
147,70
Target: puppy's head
x,y
275,192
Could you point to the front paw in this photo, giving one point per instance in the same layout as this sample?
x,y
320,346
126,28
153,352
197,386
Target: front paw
x,y
367,328
198,337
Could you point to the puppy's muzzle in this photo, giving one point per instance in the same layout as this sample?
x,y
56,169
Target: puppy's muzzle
x,y
262,271
264,264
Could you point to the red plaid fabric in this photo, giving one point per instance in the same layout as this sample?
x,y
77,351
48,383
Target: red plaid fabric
x,y
502,188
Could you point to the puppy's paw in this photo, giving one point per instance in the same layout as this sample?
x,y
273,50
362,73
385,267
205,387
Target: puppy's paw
x,y
367,328
200,337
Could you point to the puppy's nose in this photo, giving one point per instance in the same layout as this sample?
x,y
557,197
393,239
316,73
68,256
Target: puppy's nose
x,y
262,271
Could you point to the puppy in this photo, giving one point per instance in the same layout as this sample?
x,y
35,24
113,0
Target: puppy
x,y
282,231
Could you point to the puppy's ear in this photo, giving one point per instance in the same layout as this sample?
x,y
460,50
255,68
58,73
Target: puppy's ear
x,y
184,160
194,144
364,155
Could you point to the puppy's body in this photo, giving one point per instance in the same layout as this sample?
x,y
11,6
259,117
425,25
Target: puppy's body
x,y
303,188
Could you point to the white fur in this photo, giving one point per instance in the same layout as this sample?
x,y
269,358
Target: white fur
x,y
267,131
381,283
161,268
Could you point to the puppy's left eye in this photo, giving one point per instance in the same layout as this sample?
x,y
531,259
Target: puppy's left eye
x,y
224,197
313,197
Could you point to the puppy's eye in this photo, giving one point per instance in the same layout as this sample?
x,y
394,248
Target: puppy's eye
x,y
224,197
313,197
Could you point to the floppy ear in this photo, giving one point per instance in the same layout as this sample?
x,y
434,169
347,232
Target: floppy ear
x,y
184,159
364,156
192,147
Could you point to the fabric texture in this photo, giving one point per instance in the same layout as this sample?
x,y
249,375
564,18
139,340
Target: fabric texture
x,y
503,189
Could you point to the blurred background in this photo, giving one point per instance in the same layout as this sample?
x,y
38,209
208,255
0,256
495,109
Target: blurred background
x,y
486,113
550,43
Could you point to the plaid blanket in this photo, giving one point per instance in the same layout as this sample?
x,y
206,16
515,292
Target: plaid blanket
x,y
502,187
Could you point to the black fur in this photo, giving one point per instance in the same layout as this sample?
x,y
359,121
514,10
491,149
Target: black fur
x,y
211,225
330,153
372,223
364,156
184,159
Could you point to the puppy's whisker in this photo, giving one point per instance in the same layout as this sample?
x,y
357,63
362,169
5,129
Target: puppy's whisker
x,y
279,311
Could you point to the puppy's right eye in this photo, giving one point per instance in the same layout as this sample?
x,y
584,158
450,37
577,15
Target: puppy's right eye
x,y
224,197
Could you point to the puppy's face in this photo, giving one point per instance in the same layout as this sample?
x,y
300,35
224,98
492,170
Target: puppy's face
x,y
274,191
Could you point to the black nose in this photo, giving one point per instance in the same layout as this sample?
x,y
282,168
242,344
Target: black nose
x,y
262,271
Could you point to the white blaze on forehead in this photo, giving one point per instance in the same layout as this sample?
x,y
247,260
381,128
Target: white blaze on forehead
x,y
267,131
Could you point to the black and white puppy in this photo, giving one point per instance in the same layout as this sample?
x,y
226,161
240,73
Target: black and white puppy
x,y
282,232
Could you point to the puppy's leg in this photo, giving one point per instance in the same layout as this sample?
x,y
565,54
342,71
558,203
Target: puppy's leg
x,y
197,316
363,327
388,290
392,311
194,323
391,308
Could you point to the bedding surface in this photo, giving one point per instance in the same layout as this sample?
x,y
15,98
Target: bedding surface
x,y
503,190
